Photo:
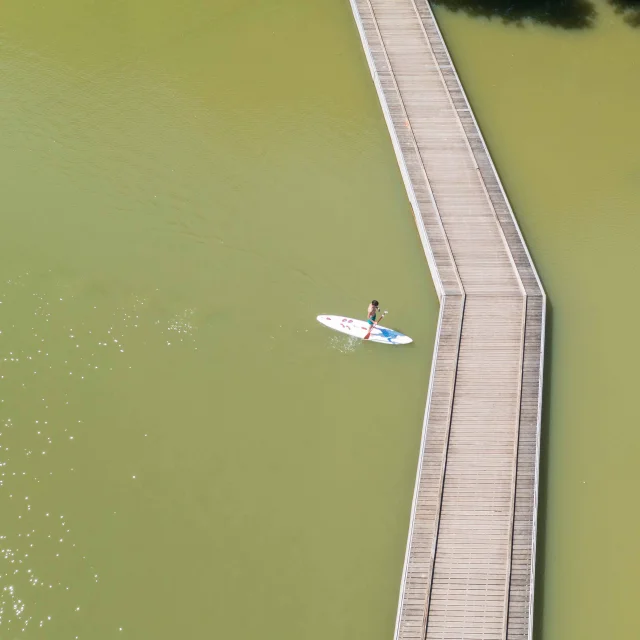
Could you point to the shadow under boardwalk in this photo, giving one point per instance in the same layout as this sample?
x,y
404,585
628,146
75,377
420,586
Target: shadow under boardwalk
x,y
469,568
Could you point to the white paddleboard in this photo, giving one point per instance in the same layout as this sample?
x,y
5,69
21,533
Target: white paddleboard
x,y
359,329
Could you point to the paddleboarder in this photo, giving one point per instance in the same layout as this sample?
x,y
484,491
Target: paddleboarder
x,y
372,312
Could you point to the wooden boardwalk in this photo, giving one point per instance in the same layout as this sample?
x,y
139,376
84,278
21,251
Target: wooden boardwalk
x,y
469,568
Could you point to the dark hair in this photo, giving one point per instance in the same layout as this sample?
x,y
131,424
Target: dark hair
x,y
375,303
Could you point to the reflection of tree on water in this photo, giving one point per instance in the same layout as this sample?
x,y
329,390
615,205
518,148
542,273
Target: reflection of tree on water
x,y
630,9
566,14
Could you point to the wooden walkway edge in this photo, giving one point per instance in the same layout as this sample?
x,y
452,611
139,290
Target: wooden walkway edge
x,y
470,560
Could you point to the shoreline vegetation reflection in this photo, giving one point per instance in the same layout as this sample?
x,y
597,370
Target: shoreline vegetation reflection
x,y
563,14
630,10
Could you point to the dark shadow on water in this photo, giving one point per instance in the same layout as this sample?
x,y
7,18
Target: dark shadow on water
x,y
629,9
543,486
565,14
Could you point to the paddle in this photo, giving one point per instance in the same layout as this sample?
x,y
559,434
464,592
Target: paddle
x,y
384,313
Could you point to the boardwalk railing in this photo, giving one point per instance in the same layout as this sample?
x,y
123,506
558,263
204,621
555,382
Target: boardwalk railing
x,y
470,561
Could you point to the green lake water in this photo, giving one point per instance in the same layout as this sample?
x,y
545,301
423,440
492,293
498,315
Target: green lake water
x,y
185,452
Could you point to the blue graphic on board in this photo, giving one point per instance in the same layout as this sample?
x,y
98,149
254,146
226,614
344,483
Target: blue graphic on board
x,y
389,334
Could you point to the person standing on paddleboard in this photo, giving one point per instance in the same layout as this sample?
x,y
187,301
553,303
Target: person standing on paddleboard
x,y
372,312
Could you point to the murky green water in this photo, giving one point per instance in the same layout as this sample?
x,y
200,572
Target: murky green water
x,y
186,452
560,112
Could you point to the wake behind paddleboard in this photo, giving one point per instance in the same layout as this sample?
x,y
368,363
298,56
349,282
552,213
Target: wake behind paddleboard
x,y
359,329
